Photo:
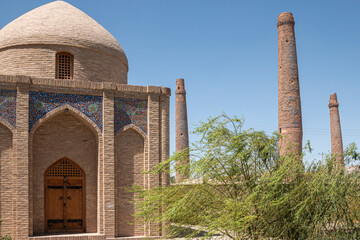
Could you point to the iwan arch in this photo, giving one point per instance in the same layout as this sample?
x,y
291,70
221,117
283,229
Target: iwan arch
x,y
73,133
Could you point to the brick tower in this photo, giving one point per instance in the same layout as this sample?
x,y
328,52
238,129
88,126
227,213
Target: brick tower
x,y
181,125
336,137
290,123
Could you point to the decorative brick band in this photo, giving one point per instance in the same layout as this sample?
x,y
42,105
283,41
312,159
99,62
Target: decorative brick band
x,y
43,103
8,106
130,111
287,22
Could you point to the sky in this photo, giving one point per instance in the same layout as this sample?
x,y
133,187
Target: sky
x,y
226,50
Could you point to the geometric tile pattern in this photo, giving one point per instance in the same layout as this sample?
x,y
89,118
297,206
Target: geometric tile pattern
x,y
130,111
42,103
8,106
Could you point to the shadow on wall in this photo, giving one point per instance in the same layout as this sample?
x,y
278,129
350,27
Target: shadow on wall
x,y
6,173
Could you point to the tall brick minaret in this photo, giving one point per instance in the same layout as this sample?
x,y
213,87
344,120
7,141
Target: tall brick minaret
x,y
181,126
290,123
336,137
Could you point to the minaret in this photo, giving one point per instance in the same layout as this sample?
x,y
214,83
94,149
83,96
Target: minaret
x,y
290,123
336,137
181,125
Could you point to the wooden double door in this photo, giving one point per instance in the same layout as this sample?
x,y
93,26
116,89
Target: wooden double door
x,y
64,197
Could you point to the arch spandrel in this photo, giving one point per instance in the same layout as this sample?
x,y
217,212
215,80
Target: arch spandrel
x,y
41,104
72,111
8,108
130,111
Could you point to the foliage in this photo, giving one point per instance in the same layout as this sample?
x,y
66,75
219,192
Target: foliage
x,y
6,237
243,190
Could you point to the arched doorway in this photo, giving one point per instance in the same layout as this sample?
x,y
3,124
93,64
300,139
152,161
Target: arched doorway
x,y
64,134
130,145
64,197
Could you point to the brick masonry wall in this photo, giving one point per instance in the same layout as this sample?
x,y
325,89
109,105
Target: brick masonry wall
x,y
64,135
40,61
22,162
165,143
154,147
109,164
69,134
6,188
129,155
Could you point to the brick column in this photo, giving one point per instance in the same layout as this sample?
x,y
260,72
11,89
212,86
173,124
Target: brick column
x,y
22,162
165,144
109,164
290,122
153,146
181,127
336,137
165,135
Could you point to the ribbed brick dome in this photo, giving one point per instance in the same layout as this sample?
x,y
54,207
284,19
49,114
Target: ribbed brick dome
x,y
62,24
30,44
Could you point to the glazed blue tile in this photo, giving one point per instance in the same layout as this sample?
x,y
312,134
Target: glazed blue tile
x,y
8,106
42,103
130,111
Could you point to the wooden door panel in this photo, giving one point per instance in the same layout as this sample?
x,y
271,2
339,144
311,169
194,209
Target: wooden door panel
x,y
74,203
54,204
64,197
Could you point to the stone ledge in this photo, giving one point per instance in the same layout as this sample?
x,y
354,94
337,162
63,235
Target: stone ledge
x,y
80,236
84,85
134,238
88,236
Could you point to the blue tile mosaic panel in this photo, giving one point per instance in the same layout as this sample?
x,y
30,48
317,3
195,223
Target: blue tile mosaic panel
x,y
8,106
129,111
42,103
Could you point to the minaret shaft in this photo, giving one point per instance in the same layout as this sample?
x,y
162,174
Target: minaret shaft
x,y
335,127
289,103
181,125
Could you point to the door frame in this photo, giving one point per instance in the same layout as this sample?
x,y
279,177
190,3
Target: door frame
x,y
83,198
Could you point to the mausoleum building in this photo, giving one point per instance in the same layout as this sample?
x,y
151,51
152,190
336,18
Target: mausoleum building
x,y
73,133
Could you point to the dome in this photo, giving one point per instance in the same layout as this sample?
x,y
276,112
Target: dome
x,y
59,23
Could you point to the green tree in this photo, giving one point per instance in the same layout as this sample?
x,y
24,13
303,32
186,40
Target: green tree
x,y
6,237
242,189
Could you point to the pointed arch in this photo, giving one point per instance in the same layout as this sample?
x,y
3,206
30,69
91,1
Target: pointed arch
x,y
133,127
72,134
7,172
7,125
71,110
130,165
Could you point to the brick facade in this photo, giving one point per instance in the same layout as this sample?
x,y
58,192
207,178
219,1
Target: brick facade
x,y
111,162
112,131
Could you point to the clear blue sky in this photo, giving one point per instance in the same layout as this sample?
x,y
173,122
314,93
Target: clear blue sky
x,y
227,53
